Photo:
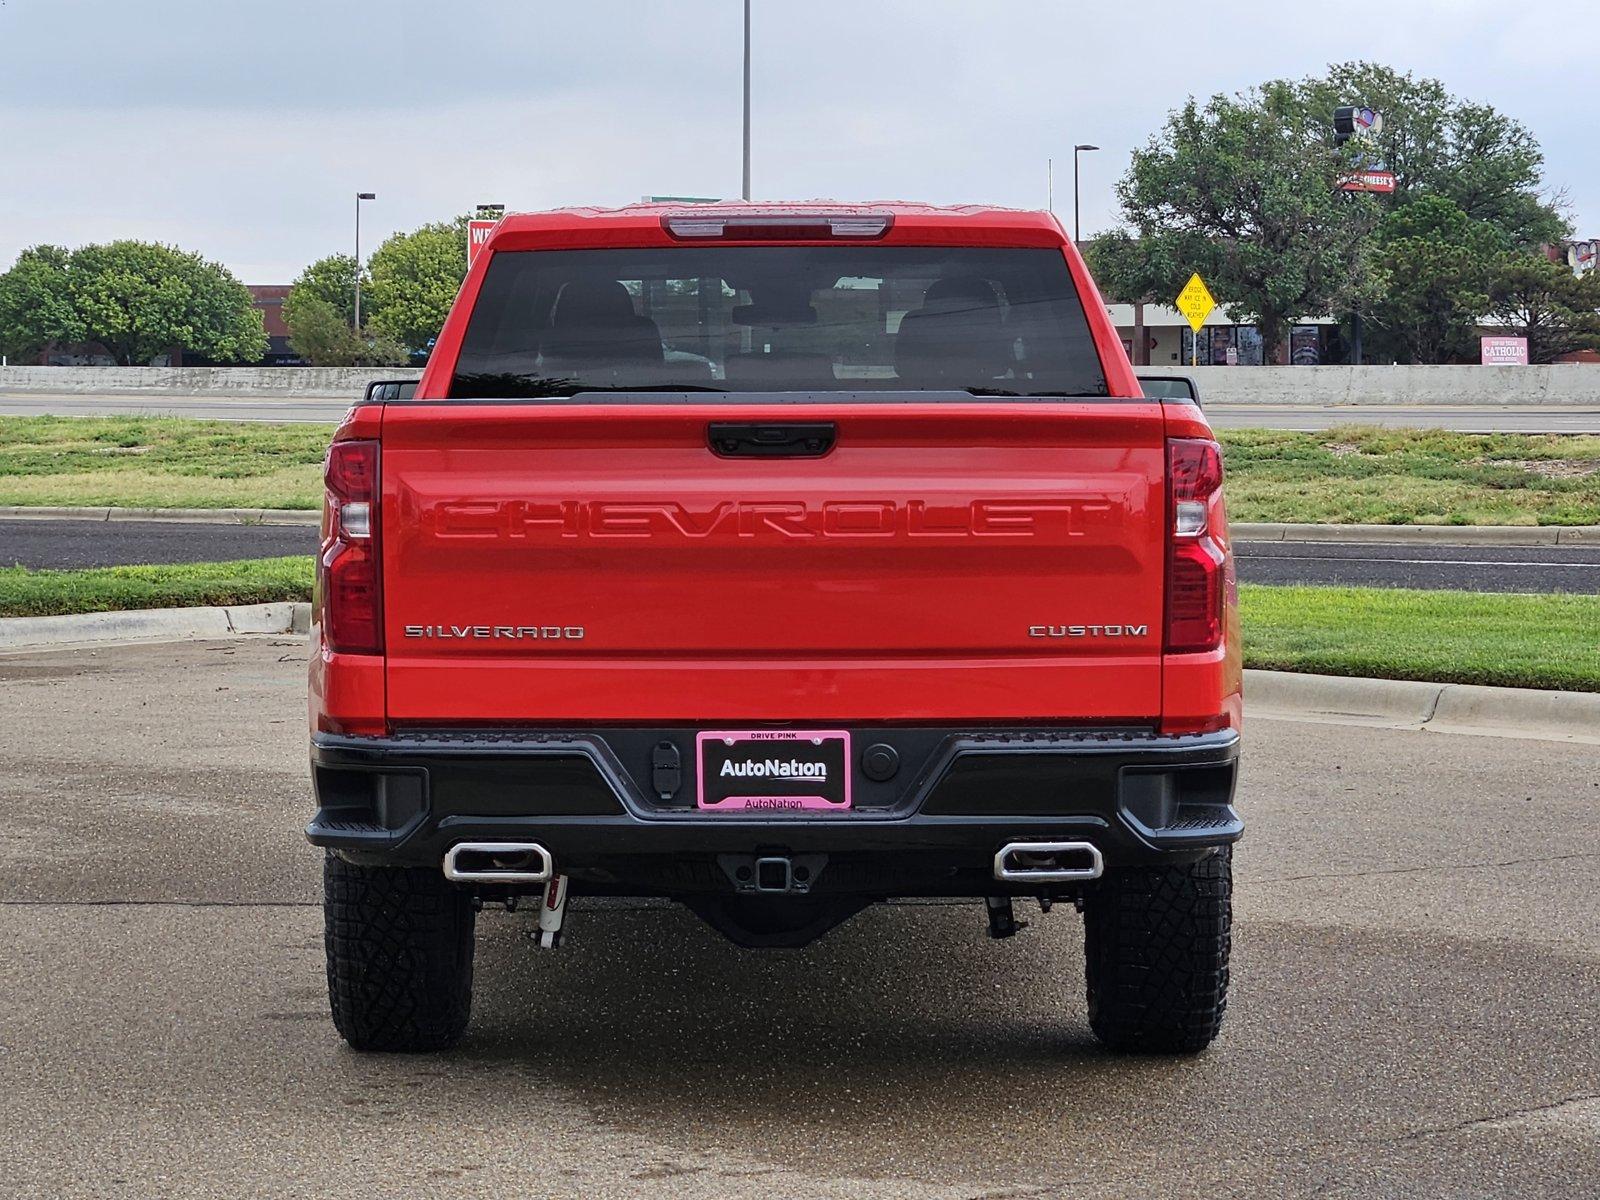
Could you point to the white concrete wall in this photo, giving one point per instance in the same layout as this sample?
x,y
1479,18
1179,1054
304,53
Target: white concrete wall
x,y
243,382
1564,383
1569,383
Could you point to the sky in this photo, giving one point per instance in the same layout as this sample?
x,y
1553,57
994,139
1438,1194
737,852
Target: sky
x,y
242,129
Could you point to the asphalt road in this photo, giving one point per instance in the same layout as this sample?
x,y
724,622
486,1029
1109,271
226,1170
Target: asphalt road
x,y
1464,418
1468,568
32,542
1413,1014
36,543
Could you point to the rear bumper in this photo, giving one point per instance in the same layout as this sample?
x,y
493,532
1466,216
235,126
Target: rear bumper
x,y
592,799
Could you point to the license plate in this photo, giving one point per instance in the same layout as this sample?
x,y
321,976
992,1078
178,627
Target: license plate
x,y
773,769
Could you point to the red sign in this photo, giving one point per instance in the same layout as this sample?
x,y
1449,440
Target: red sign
x,y
1368,181
477,238
1504,351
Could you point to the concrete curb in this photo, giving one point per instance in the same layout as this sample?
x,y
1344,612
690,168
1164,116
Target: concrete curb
x,y
153,624
1436,707
1433,535
192,516
1243,531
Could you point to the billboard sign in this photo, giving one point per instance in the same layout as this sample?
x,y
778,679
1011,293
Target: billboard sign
x,y
1354,123
1504,351
477,237
1376,180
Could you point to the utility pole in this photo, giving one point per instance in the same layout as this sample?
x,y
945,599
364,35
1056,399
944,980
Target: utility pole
x,y
360,196
746,191
1077,232
1050,185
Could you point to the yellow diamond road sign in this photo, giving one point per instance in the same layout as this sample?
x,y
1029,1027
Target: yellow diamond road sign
x,y
1196,301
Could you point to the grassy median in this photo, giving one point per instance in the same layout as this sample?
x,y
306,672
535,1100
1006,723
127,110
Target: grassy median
x,y
160,462
26,593
1361,475
1459,637
1369,476
1537,641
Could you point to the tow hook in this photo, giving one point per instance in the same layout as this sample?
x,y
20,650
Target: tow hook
x,y
553,912
1003,921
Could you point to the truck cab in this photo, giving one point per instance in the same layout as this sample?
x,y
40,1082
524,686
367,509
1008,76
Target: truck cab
x,y
778,560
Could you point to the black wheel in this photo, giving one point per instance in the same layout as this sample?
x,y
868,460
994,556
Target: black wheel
x,y
399,942
1156,944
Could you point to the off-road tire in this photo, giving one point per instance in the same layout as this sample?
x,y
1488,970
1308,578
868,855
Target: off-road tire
x,y
399,943
1156,945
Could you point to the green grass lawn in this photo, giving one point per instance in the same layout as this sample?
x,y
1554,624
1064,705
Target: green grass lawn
x,y
1460,637
1540,641
25,593
160,462
1368,476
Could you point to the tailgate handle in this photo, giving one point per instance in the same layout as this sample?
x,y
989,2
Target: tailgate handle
x,y
763,439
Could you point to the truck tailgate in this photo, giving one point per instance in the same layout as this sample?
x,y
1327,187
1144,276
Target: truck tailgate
x,y
581,562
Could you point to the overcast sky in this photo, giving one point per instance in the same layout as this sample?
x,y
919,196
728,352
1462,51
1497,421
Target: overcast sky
x,y
241,130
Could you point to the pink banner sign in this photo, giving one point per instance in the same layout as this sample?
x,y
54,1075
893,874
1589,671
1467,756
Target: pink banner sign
x,y
1504,351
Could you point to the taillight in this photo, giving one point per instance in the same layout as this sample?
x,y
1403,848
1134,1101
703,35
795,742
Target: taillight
x,y
349,574
1195,560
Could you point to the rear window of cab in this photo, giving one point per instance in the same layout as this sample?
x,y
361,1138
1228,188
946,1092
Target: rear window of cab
x,y
828,319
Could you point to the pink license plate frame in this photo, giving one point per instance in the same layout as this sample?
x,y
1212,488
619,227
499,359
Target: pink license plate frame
x,y
766,788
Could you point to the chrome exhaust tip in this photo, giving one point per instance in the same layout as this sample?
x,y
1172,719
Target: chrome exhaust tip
x,y
1048,862
498,862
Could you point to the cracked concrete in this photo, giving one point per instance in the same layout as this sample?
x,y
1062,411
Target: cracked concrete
x,y
1413,1014
1557,1113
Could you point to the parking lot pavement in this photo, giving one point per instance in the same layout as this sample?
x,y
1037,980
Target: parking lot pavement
x,y
1417,958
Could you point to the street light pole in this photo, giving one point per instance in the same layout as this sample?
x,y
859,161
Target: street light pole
x,y
747,99
360,196
1077,232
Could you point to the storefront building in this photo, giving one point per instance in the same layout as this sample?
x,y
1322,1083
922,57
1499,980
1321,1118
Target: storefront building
x,y
1157,336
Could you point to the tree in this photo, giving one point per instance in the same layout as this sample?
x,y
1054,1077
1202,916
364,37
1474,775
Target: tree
x,y
1129,271
140,299
1557,311
137,299
322,336
1432,264
320,313
415,278
318,332
1244,190
332,280
1489,165
36,303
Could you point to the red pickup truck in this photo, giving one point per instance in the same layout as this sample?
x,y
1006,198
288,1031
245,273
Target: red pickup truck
x,y
778,560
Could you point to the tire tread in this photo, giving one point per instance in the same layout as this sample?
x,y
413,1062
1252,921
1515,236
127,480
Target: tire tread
x,y
399,945
1157,943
